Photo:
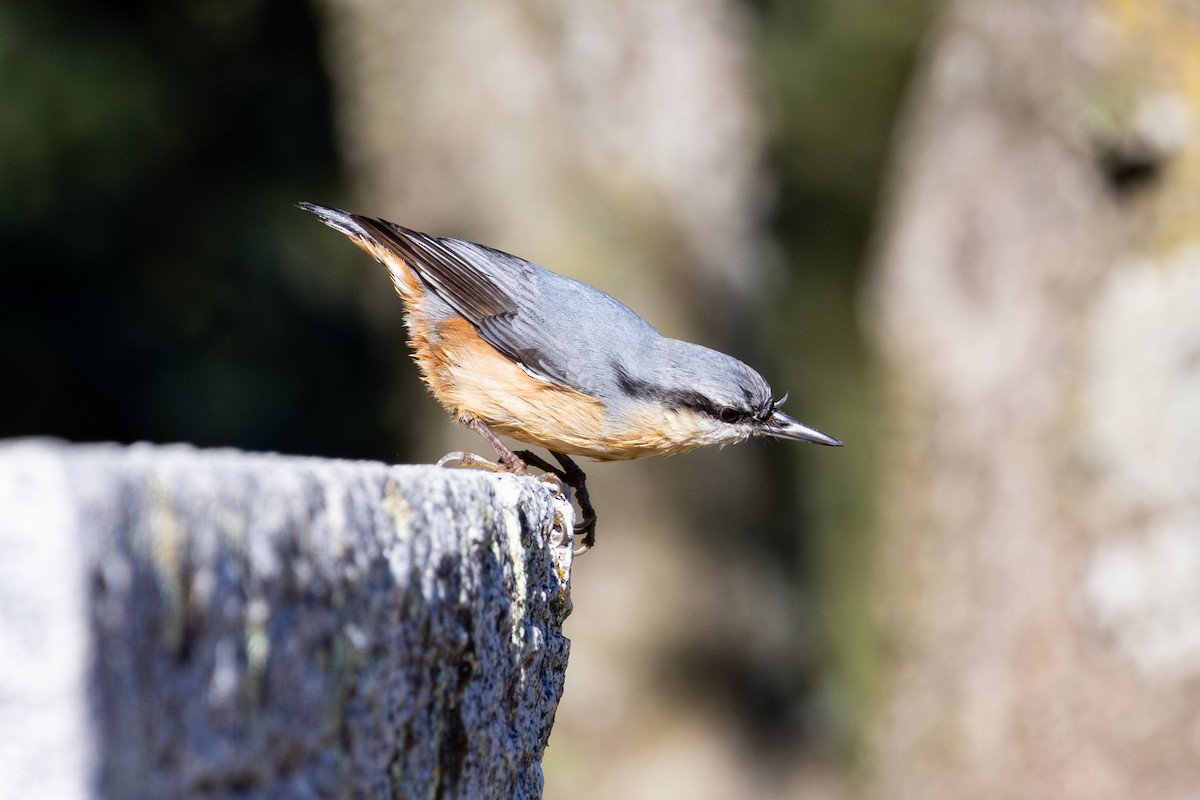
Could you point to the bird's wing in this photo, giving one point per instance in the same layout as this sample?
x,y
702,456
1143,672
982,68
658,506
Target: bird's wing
x,y
497,293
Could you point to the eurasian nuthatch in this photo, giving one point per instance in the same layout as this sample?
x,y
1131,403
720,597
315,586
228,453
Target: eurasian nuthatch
x,y
508,347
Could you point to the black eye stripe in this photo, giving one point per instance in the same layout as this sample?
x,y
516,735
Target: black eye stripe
x,y
691,400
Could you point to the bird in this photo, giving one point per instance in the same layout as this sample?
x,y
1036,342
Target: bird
x,y
510,348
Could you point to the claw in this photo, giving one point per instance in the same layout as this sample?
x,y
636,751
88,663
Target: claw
x,y
555,483
465,459
508,458
586,528
570,475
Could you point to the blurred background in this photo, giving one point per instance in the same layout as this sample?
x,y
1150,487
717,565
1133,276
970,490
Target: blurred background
x,y
959,234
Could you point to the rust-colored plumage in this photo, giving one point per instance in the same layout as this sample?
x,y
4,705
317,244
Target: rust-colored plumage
x,y
511,348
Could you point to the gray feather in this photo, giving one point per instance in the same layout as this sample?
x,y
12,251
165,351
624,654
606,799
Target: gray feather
x,y
567,332
554,326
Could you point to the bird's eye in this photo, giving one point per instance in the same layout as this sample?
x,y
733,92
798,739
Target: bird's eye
x,y
729,414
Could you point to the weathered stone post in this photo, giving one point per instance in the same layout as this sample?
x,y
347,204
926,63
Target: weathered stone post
x,y
185,623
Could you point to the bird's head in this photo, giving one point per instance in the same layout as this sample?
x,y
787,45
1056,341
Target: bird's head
x,y
711,398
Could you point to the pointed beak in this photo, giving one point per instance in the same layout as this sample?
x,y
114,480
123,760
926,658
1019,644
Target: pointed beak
x,y
781,426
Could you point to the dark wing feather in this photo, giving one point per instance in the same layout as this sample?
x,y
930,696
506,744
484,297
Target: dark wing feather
x,y
467,289
494,291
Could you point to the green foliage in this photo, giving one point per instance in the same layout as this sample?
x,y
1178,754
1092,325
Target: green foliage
x,y
153,280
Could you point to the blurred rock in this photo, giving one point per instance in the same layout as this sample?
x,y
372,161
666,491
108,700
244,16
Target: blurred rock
x,y
1035,307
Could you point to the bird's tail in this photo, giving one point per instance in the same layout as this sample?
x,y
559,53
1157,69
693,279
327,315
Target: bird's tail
x,y
374,236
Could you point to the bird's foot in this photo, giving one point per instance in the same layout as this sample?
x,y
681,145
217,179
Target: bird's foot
x,y
508,458
586,528
558,478
577,480
463,458
571,475
555,483
551,475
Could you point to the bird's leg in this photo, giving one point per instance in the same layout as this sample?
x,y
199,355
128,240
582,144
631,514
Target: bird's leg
x,y
577,480
553,473
534,460
507,457
570,475
574,477
510,461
